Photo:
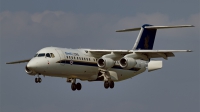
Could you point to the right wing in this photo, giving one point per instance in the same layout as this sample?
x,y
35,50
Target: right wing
x,y
20,61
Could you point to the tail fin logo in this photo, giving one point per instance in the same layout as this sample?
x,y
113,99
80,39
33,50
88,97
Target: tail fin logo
x,y
146,42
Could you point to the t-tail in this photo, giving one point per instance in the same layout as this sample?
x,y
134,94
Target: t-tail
x,y
146,37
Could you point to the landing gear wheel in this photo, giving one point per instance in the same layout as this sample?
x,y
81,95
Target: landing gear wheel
x,y
36,80
112,84
73,86
39,80
78,86
106,84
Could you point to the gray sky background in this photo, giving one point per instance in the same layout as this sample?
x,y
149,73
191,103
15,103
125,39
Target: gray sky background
x,y
26,26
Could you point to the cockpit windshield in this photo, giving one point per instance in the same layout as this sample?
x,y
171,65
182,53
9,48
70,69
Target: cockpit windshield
x,y
35,55
52,55
49,55
41,55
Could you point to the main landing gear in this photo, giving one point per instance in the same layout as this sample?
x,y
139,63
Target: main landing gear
x,y
74,85
108,84
107,79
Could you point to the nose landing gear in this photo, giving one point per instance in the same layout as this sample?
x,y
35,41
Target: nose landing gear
x,y
38,80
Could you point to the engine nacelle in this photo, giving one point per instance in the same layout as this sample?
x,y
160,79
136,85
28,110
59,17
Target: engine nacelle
x,y
105,63
30,72
127,63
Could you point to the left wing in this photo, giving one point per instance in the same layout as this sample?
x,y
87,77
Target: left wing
x,y
160,53
149,53
21,61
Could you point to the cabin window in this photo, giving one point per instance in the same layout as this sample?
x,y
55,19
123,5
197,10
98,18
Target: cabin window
x,y
41,55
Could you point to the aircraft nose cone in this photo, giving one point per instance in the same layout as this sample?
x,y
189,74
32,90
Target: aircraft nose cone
x,y
31,65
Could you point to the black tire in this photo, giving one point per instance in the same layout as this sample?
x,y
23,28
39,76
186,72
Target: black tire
x,y
39,80
36,80
112,84
78,86
73,86
106,84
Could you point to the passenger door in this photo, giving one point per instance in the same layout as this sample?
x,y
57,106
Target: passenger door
x,y
62,56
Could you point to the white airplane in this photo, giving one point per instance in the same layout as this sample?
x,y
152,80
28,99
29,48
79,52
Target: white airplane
x,y
100,65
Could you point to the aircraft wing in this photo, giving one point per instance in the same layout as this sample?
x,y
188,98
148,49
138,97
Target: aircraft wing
x,y
20,61
160,53
149,53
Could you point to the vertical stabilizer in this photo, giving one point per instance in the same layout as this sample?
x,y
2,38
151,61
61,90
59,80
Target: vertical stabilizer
x,y
145,39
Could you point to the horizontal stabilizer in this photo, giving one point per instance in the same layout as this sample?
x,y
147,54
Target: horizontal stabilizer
x,y
154,27
126,30
164,27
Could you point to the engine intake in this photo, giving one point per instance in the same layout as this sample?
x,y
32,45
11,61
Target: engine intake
x,y
105,63
127,63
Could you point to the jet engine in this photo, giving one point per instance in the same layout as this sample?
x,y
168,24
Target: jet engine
x,y
30,72
105,63
127,63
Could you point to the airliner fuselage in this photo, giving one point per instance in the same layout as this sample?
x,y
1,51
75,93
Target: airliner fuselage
x,y
76,63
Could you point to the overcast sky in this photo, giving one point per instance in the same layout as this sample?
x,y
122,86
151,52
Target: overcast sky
x,y
26,26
